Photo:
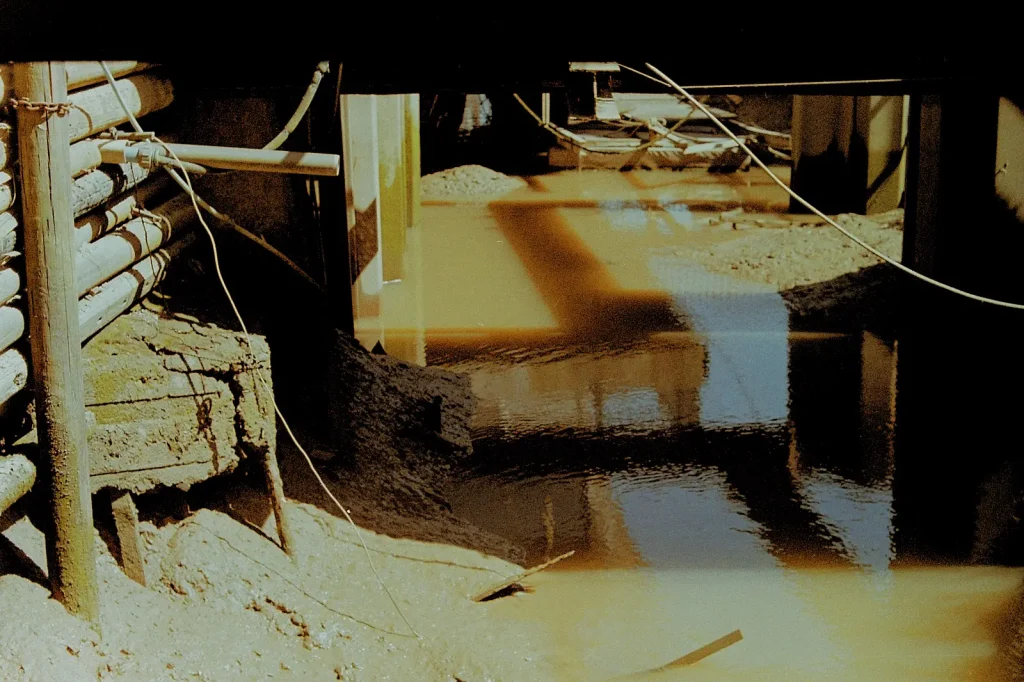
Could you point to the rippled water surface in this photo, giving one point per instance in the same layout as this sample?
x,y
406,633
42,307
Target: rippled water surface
x,y
848,500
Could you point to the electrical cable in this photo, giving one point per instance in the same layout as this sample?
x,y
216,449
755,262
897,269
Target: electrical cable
x,y
259,373
321,70
767,86
857,240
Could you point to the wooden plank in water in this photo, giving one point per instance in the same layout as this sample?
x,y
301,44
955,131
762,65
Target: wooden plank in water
x,y
705,651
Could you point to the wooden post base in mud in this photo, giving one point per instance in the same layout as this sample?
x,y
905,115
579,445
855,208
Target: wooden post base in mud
x,y
49,237
126,522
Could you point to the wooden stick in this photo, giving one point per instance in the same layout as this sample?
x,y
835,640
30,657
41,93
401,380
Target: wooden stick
x,y
705,651
17,476
276,489
504,585
43,148
126,524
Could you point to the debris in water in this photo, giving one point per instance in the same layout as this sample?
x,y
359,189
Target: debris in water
x,y
705,651
509,586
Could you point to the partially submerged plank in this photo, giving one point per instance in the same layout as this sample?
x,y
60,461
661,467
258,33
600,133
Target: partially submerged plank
x,y
494,590
705,651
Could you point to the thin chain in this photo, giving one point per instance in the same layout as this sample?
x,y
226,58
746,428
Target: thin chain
x,y
59,108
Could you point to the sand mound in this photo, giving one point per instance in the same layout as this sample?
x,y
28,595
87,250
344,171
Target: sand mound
x,y
468,181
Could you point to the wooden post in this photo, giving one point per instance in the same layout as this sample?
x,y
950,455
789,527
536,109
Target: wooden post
x,y
44,153
362,192
126,523
412,156
276,489
394,200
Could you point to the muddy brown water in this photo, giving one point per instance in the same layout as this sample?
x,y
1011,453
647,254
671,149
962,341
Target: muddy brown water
x,y
847,500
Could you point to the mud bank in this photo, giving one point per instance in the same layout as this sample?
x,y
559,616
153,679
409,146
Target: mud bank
x,y
225,603
400,432
825,279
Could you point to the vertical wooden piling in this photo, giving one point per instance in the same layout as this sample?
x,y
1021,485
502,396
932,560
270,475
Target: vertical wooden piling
x,y
394,200
126,524
45,159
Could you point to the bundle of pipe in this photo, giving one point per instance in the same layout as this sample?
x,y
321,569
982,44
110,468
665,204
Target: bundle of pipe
x,y
122,252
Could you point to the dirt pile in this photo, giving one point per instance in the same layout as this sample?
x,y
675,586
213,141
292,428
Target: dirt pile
x,y
399,432
822,275
227,604
468,181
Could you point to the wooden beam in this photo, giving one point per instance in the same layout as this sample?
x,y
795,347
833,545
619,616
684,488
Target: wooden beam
x,y
104,303
98,186
362,192
84,74
139,237
97,109
80,74
44,155
6,190
98,309
394,202
13,374
12,326
5,144
17,476
413,164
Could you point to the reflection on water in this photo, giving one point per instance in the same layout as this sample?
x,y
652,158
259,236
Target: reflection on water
x,y
832,495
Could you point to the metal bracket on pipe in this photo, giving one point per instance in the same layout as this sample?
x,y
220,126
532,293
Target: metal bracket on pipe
x,y
115,134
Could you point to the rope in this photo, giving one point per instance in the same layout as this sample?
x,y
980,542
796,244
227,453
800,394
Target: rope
x,y
256,364
854,238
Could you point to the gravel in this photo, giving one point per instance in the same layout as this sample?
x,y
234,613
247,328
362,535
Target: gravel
x,y
468,181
